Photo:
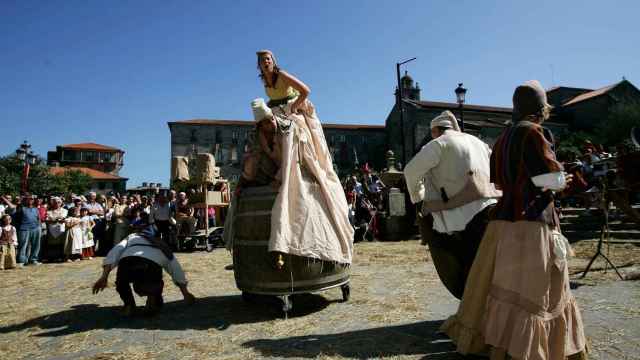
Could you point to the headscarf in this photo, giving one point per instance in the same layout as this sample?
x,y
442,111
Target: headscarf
x,y
529,99
445,120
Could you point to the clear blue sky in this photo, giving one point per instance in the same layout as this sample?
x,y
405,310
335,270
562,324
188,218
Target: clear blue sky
x,y
115,72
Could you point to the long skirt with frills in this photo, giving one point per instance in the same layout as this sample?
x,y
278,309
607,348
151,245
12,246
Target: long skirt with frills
x,y
517,299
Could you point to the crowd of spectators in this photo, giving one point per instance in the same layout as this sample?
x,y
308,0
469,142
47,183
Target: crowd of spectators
x,y
365,195
69,228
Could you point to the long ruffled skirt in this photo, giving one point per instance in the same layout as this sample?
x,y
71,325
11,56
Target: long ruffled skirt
x,y
517,300
310,214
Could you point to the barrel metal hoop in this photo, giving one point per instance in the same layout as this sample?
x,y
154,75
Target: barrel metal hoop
x,y
300,283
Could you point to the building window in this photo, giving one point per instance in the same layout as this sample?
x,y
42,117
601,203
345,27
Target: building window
x,y
108,157
70,155
342,138
90,156
102,185
234,153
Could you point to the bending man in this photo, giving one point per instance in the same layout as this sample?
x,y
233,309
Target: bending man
x,y
140,258
451,175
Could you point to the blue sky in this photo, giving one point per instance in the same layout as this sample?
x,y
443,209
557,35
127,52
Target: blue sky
x,y
115,72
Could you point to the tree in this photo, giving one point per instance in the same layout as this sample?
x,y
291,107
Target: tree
x,y
617,128
572,144
76,181
41,180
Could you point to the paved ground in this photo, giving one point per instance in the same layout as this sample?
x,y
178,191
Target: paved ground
x,y
398,303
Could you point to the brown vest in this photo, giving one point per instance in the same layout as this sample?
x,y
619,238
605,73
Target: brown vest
x,y
6,238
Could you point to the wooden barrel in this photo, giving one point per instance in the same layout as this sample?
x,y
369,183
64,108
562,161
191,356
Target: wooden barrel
x,y
255,268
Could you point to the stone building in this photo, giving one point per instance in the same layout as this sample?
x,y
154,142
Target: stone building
x,y
586,109
102,163
354,145
486,122
227,140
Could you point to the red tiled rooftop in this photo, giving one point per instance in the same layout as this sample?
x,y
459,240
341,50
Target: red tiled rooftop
x,y
93,173
89,146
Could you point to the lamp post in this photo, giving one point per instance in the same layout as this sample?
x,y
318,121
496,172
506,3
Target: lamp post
x,y
401,107
460,94
26,155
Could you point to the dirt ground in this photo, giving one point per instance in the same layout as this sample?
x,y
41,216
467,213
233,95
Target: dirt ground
x,y
397,304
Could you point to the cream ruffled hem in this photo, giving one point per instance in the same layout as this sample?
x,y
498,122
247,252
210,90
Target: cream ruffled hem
x,y
528,336
467,340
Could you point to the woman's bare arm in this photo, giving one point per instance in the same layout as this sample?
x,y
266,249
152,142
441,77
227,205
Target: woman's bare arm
x,y
301,87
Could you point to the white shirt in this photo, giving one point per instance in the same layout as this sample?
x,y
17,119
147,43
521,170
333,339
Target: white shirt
x,y
136,245
56,228
445,162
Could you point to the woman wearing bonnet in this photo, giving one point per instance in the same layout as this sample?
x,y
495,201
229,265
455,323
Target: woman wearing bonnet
x,y
309,216
517,302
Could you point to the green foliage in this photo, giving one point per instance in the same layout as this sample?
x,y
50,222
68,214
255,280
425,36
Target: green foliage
x,y
41,181
617,128
572,144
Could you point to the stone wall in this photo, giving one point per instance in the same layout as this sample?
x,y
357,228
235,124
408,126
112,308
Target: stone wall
x,y
228,142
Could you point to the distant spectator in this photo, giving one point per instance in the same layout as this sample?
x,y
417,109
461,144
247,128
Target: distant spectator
x,y
87,224
96,211
161,217
184,214
8,242
75,235
42,209
119,219
55,242
68,201
4,207
27,220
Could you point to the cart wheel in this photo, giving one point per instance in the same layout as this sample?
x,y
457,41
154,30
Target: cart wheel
x,y
346,292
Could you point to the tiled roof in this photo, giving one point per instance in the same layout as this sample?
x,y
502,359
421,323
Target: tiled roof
x,y
251,123
93,173
455,106
590,95
89,146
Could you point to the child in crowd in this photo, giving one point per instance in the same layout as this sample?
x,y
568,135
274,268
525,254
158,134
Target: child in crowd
x,y
75,234
87,224
136,219
8,243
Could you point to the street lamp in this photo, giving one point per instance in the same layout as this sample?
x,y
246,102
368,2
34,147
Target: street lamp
x,y
26,155
460,94
401,107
